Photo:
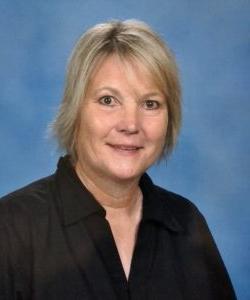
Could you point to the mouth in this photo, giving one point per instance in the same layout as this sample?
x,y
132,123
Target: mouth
x,y
125,148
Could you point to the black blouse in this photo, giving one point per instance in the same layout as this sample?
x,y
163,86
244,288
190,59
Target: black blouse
x,y
55,243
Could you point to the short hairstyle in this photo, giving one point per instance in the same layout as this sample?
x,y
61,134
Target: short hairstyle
x,y
130,39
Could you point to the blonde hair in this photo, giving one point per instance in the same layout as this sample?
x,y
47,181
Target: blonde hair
x,y
128,39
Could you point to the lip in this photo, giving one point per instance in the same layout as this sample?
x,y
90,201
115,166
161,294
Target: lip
x,y
125,147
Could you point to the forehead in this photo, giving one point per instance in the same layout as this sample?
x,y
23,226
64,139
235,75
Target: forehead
x,y
114,69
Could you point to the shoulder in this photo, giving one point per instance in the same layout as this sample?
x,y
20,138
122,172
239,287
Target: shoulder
x,y
188,221
175,211
183,210
198,252
176,202
31,200
37,190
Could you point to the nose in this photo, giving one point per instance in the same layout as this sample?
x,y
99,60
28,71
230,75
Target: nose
x,y
129,120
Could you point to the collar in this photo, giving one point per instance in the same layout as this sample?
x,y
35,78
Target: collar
x,y
155,205
77,203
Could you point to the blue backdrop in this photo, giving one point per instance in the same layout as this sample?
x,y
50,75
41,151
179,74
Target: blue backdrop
x,y
211,42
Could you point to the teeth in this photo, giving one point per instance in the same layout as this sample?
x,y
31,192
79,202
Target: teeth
x,y
128,148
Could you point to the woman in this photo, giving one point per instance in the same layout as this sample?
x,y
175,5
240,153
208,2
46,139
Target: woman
x,y
99,228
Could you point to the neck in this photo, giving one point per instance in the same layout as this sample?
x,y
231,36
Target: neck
x,y
117,197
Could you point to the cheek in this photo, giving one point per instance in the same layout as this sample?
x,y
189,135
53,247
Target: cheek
x,y
84,134
156,131
92,130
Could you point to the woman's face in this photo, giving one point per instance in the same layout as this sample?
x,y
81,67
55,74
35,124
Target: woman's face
x,y
123,121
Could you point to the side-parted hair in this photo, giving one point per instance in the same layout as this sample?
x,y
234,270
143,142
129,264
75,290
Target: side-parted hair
x,y
129,39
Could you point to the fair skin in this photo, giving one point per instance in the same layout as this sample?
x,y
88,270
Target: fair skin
x,y
122,129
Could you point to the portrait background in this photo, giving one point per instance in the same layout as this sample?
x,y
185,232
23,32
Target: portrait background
x,y
210,40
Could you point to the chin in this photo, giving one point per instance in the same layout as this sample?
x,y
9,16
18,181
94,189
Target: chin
x,y
128,174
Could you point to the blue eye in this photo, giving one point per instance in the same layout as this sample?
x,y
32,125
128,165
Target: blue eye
x,y
151,104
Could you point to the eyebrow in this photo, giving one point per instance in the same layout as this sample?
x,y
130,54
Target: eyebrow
x,y
110,89
117,93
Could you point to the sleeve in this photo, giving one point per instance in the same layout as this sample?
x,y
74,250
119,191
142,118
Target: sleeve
x,y
213,275
13,259
6,271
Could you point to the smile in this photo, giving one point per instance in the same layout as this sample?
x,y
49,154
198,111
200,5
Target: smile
x,y
128,148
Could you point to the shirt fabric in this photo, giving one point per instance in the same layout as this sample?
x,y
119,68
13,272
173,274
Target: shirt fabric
x,y
55,243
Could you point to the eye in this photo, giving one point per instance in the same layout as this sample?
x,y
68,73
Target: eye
x,y
151,104
107,100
